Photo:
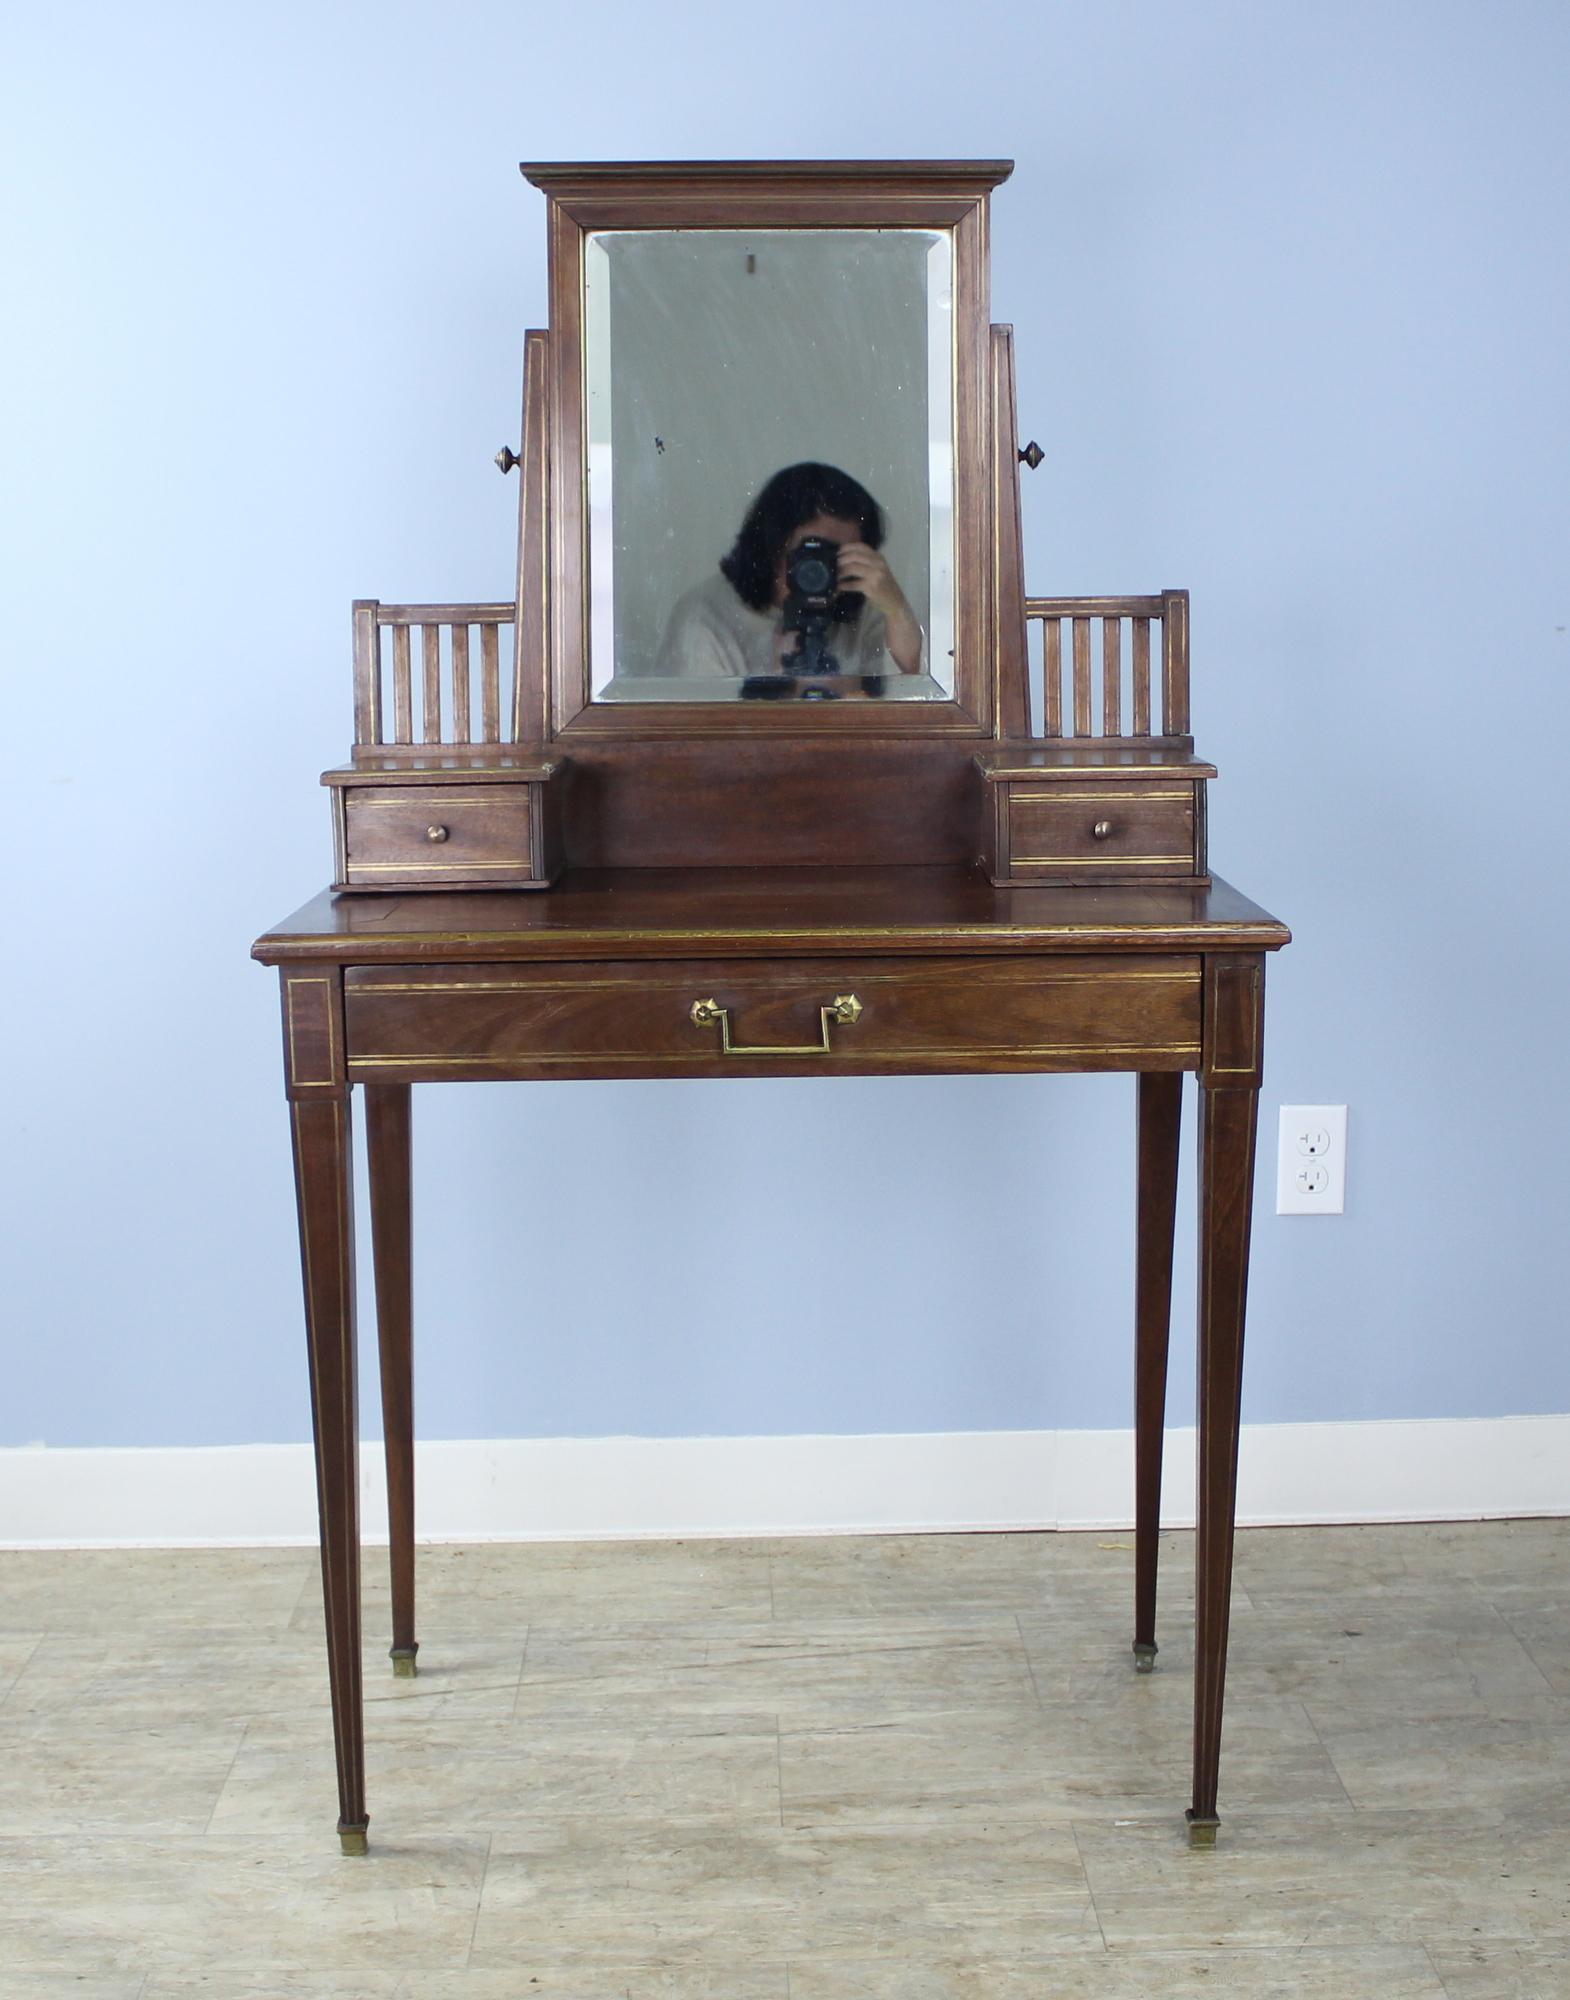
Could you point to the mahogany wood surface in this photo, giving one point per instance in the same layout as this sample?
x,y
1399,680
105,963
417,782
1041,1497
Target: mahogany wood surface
x,y
387,1135
575,178
952,974
1011,675
474,836
1227,1120
462,817
324,1185
1228,1116
775,888
476,764
530,718
1090,832
751,912
914,194
1159,1123
912,1017
1126,760
771,801
437,725
1169,611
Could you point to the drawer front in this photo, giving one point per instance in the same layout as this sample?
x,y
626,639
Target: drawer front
x,y
439,836
1081,833
760,1018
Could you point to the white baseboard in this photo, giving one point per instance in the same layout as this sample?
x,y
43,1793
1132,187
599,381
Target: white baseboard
x,y
590,1489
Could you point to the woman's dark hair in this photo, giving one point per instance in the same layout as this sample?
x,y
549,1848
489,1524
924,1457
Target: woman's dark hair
x,y
795,494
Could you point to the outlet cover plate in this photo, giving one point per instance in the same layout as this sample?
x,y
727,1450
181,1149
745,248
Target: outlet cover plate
x,y
1311,1160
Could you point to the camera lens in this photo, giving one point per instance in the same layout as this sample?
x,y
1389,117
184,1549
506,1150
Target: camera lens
x,y
812,577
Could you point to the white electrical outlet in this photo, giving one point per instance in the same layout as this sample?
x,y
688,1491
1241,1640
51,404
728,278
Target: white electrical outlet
x,y
1311,1160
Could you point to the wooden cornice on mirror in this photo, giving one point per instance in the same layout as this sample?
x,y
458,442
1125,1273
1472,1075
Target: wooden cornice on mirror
x,y
785,194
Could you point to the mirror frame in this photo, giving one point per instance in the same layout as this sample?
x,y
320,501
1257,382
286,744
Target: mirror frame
x,y
949,195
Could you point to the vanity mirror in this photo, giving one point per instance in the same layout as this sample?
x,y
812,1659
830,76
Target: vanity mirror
x,y
770,421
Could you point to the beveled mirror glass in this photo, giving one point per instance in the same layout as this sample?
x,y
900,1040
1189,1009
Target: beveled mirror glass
x,y
770,463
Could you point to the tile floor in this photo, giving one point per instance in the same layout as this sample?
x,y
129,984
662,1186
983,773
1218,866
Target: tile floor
x,y
913,1768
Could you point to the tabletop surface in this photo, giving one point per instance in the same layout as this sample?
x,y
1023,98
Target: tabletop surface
x,y
754,912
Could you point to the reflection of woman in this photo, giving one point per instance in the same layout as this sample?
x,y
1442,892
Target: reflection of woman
x,y
730,626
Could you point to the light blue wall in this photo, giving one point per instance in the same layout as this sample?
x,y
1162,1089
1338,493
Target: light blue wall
x,y
1290,287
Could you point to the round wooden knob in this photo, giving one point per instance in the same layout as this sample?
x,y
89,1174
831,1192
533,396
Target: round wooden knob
x,y
1101,830
436,833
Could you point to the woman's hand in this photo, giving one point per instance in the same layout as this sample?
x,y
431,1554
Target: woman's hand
x,y
863,569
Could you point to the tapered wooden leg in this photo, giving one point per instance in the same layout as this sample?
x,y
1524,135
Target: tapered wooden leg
x,y
1227,1120
1160,1116
325,1191
387,1131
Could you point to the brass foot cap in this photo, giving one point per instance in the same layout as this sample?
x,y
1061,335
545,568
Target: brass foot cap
x,y
352,1839
1201,1832
404,1668
1144,1656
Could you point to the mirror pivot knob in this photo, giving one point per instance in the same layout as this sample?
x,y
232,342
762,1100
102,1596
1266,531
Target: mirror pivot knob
x,y
1032,455
506,459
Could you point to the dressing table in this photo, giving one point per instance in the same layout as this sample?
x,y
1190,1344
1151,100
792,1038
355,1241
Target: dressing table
x,y
563,852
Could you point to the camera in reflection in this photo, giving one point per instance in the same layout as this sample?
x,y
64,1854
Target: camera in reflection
x,y
811,587
813,604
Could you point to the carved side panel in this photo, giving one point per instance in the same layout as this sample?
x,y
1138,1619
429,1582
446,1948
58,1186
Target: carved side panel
x,y
531,669
1011,718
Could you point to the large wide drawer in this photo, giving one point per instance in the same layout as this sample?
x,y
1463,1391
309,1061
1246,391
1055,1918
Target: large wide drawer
x,y
799,1017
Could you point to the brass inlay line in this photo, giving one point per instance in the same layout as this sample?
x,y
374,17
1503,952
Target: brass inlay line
x,y
1251,975
1094,860
354,1762
868,1055
1214,935
1059,776
415,800
1068,798
332,1048
640,986
433,867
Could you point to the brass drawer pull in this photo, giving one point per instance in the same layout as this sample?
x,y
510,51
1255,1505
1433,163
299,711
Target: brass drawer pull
x,y
436,833
845,1009
1101,830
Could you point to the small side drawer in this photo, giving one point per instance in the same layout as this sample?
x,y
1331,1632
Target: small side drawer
x,y
447,835
1095,833
1111,829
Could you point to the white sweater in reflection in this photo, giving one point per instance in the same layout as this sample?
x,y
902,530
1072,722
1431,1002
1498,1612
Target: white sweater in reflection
x,y
711,634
